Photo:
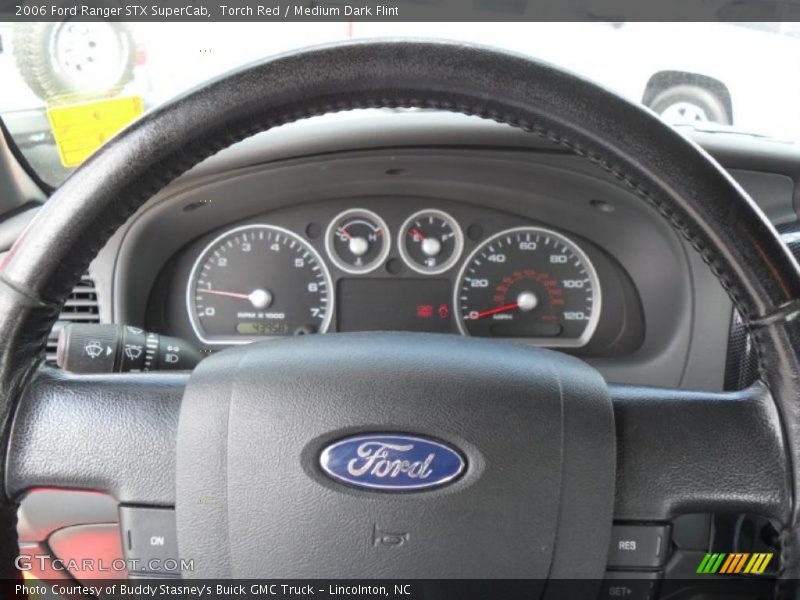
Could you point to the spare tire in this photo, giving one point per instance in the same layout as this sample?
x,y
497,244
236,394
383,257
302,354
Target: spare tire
x,y
690,104
61,60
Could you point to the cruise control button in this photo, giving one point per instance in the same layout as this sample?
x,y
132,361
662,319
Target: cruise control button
x,y
150,540
641,546
629,585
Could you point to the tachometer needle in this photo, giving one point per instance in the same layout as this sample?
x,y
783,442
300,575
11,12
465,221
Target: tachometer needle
x,y
416,233
258,298
221,293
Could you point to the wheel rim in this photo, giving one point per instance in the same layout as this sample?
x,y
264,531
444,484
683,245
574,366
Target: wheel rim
x,y
684,112
90,57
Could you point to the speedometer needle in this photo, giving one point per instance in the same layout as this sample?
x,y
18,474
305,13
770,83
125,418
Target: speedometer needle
x,y
526,302
499,309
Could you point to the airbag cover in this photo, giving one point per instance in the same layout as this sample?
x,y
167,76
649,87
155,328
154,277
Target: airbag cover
x,y
254,501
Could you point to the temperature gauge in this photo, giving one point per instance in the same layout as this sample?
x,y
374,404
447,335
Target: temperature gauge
x,y
357,241
430,241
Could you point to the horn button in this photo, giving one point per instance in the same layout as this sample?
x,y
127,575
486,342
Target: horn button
x,y
395,456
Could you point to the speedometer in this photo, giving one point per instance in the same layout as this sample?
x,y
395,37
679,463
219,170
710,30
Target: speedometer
x,y
529,283
258,281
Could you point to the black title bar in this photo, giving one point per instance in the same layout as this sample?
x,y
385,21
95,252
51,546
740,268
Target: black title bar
x,y
400,10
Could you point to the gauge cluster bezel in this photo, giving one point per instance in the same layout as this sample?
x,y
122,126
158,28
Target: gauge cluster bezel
x,y
650,281
311,222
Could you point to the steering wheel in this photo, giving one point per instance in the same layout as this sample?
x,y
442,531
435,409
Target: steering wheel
x,y
552,453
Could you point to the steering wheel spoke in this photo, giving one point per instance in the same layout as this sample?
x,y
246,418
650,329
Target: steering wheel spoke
x,y
109,433
680,452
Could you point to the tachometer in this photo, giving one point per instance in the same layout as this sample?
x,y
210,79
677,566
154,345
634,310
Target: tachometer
x,y
529,283
258,281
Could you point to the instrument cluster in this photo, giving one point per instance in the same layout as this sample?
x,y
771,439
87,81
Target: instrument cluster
x,y
440,268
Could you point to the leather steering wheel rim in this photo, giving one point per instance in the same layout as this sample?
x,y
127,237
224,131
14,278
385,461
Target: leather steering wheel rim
x,y
686,186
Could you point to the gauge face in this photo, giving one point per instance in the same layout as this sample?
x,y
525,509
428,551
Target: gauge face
x,y
357,241
258,281
529,283
430,242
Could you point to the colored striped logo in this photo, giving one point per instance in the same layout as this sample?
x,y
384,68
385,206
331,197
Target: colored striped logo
x,y
734,563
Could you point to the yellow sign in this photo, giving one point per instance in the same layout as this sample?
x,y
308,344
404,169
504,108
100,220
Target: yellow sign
x,y
80,129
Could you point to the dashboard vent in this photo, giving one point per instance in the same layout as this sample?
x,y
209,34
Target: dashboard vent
x,y
81,307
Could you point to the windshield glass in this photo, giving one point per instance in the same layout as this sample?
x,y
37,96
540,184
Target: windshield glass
x,y
68,87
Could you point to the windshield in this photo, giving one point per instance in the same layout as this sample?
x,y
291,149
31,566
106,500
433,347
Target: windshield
x,y
68,87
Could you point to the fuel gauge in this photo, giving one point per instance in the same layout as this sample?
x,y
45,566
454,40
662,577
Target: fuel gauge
x,y
357,241
430,241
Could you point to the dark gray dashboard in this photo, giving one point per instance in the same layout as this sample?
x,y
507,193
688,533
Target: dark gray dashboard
x,y
675,316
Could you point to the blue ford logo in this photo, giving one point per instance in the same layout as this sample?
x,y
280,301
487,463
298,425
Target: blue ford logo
x,y
391,462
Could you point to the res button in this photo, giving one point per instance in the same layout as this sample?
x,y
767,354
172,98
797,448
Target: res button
x,y
638,546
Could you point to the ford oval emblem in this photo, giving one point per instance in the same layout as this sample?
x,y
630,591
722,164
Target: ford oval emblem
x,y
391,462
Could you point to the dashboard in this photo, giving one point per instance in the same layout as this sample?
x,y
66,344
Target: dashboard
x,y
436,223
402,264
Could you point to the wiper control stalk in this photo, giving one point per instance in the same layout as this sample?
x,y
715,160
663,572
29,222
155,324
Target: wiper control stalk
x,y
93,348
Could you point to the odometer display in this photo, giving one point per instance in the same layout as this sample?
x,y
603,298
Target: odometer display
x,y
258,281
262,328
529,283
